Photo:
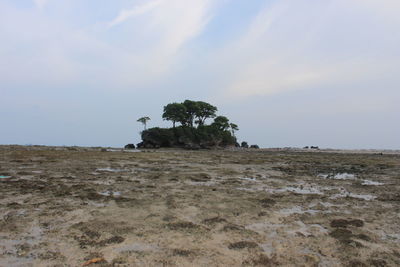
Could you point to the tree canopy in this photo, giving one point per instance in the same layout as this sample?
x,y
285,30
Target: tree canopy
x,y
193,130
189,112
144,120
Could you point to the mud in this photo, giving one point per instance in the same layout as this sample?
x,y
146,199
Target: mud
x,y
66,206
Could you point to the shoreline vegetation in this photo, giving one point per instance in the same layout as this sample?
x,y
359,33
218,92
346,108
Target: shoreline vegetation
x,y
192,132
268,149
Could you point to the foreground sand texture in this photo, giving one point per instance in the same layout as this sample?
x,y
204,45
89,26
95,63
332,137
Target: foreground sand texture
x,y
66,206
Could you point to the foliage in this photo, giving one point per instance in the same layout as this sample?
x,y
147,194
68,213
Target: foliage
x,y
144,120
221,123
204,111
175,112
190,113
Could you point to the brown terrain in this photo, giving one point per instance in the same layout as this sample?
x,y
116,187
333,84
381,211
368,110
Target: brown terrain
x,y
68,206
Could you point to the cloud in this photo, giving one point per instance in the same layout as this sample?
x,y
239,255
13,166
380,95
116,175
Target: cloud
x,y
128,13
293,46
57,50
40,3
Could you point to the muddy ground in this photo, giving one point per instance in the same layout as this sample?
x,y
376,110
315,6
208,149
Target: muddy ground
x,y
66,206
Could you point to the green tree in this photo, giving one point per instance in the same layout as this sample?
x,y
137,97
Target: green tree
x,y
175,112
221,123
144,120
204,111
234,128
192,108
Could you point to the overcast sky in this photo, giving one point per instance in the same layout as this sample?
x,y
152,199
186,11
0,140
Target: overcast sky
x,y
289,73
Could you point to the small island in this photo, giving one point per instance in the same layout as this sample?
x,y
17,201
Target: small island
x,y
189,128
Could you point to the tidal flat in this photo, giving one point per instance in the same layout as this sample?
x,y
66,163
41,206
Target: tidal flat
x,y
66,206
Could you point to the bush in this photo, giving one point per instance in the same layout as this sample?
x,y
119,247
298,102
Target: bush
x,y
204,136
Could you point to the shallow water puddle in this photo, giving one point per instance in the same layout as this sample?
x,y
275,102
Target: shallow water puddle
x,y
348,194
208,183
4,177
251,179
308,229
369,182
268,248
338,176
298,210
297,190
110,193
108,169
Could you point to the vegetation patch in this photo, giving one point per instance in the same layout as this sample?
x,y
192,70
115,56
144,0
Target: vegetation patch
x,y
243,245
344,223
193,132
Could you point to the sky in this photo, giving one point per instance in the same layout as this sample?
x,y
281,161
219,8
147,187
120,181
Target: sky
x,y
288,73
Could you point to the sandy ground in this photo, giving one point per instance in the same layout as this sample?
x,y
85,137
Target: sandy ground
x,y
66,206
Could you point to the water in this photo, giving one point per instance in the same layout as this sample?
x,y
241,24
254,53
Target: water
x,y
4,177
108,169
249,179
369,182
338,176
110,193
304,190
297,210
348,194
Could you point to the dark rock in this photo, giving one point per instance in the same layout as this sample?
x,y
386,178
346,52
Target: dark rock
x,y
191,146
140,145
130,146
243,244
267,202
344,223
244,145
254,146
378,262
214,220
341,234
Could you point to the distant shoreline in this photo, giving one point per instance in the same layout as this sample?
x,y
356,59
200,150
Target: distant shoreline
x,y
274,149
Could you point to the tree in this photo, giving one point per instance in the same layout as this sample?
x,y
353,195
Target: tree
x,y
234,128
175,112
192,109
204,111
143,120
221,123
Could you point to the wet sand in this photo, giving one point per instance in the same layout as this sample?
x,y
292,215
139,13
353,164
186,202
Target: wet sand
x,y
65,206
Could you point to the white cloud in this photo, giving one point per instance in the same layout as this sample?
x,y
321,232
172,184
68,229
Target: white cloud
x,y
40,3
294,46
137,10
48,50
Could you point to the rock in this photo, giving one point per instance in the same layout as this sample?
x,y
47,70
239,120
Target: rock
x,y
254,146
140,145
130,146
244,145
192,146
148,145
314,147
344,223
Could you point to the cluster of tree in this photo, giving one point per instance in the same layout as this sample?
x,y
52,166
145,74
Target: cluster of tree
x,y
190,113
193,132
